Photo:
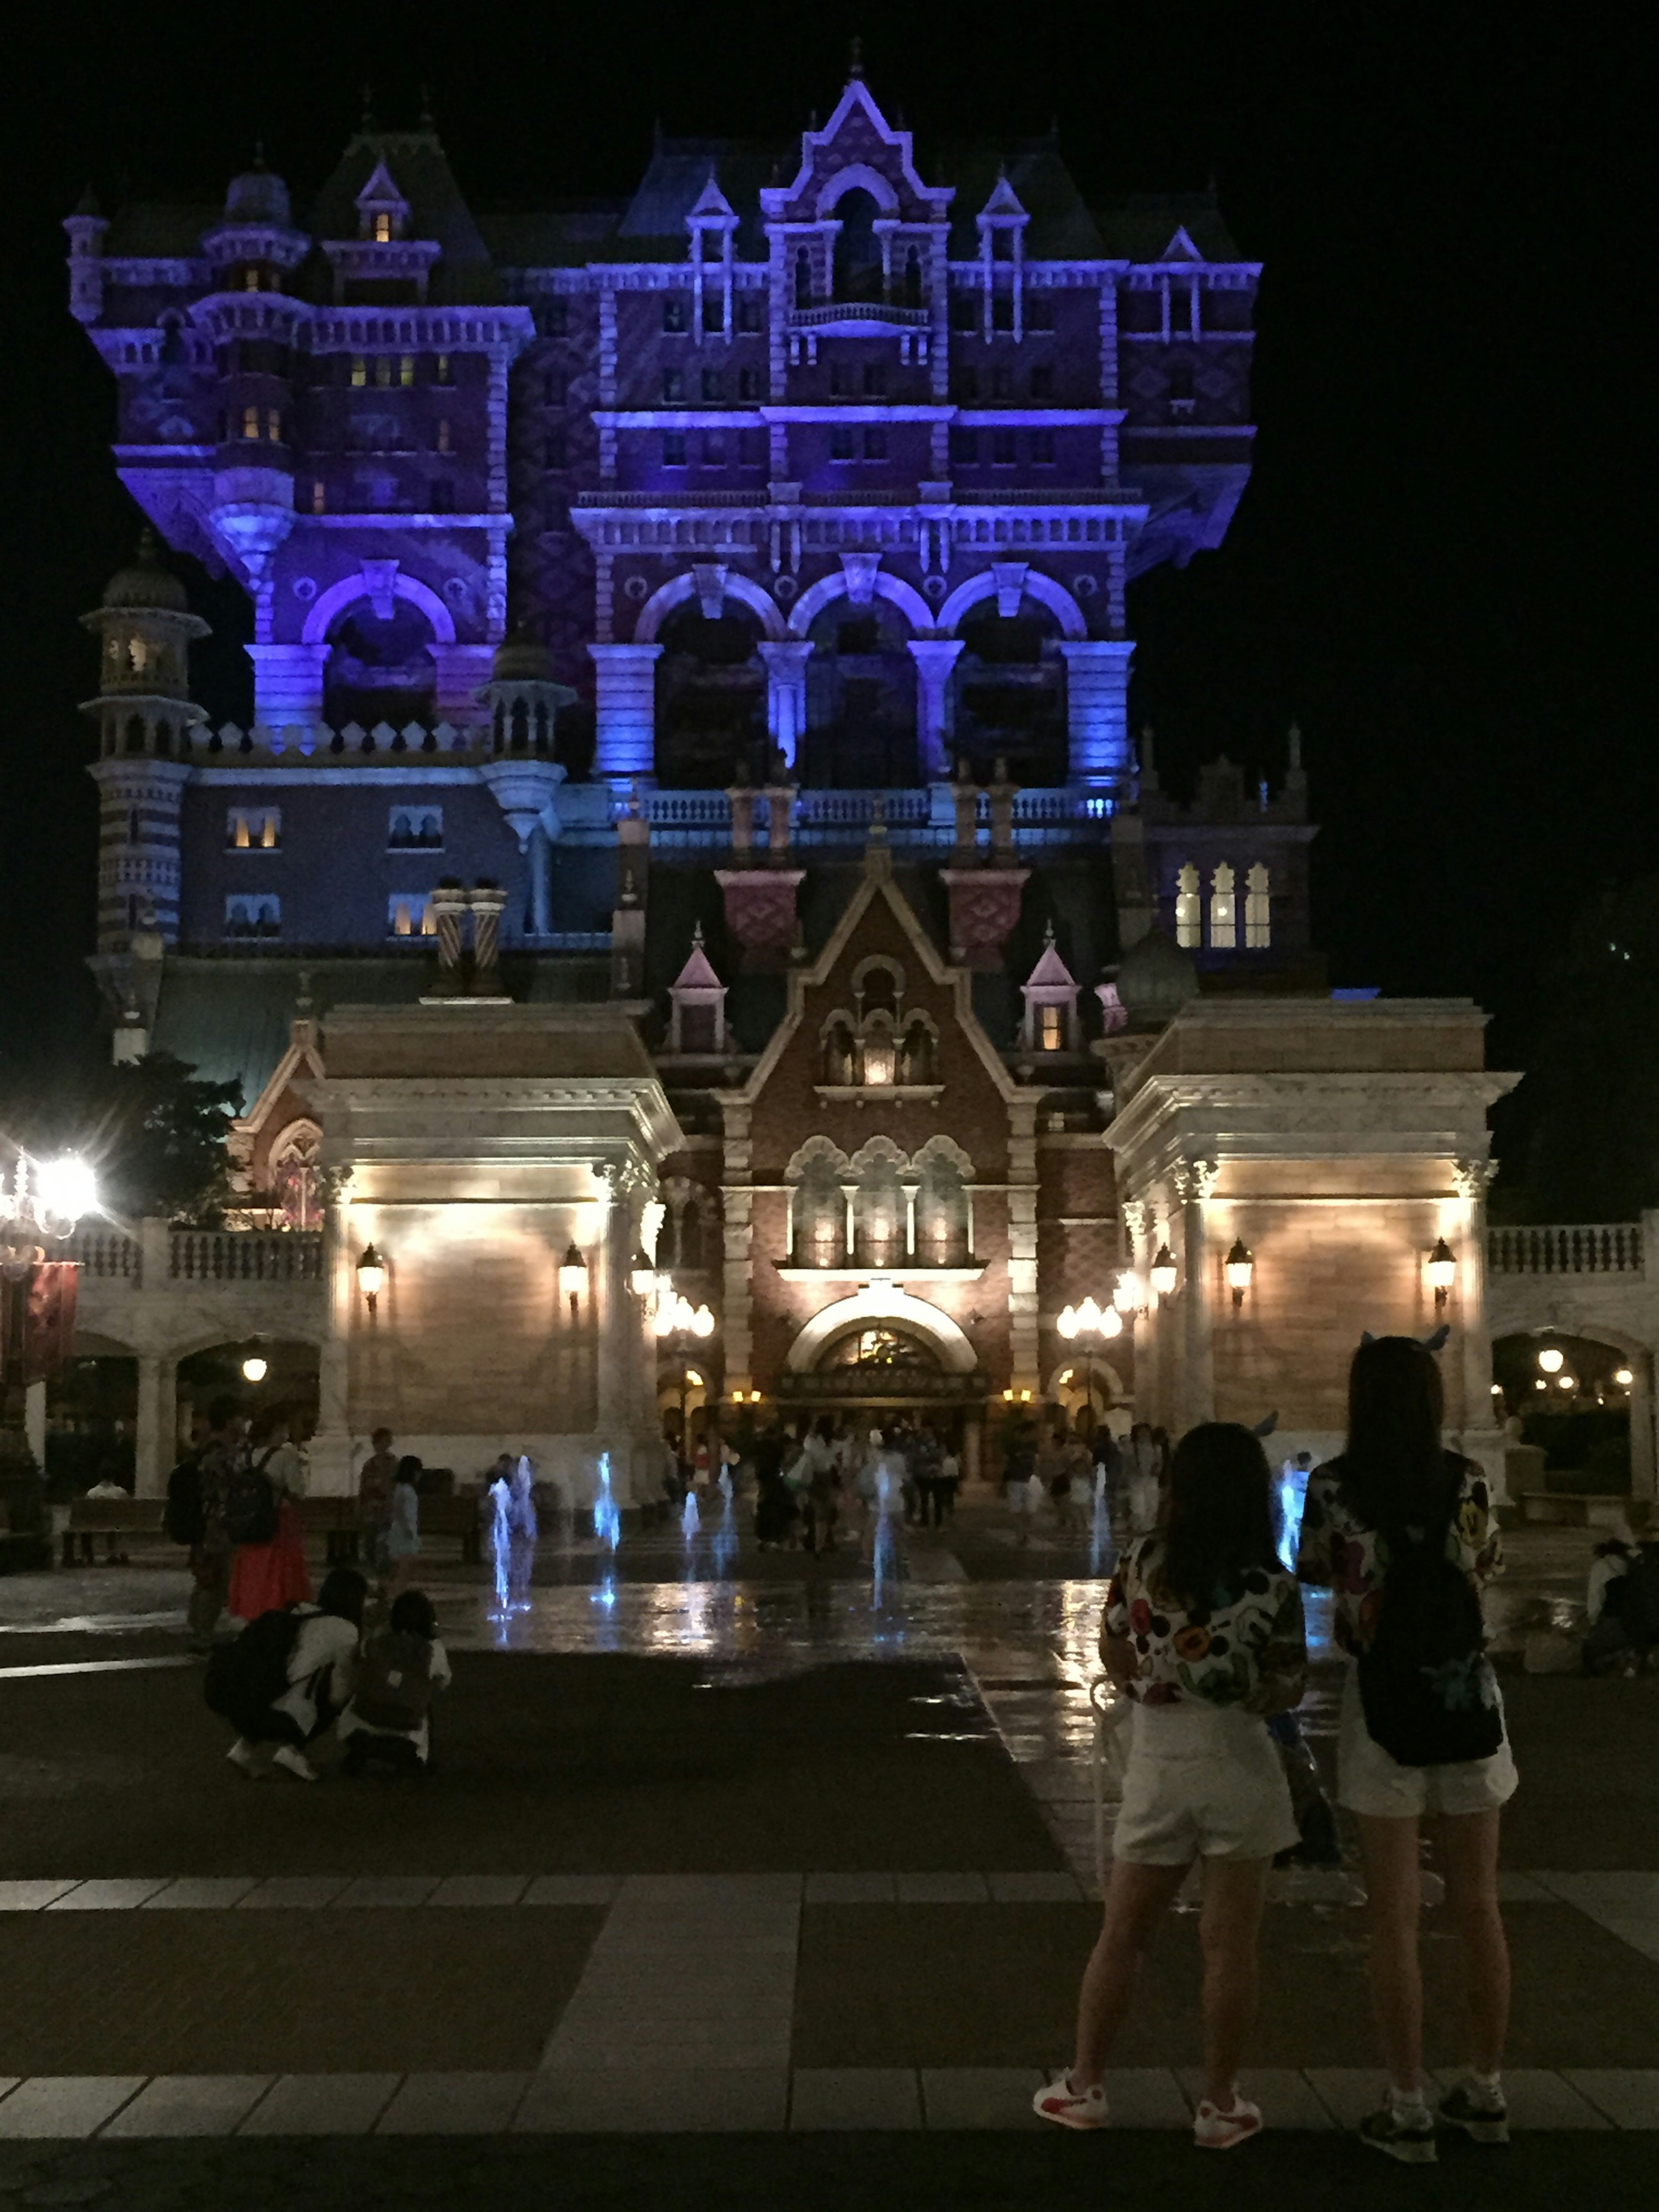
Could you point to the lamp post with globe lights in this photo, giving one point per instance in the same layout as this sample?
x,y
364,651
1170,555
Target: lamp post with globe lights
x,y
40,1207
678,1324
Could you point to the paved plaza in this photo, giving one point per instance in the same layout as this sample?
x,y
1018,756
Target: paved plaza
x,y
728,1863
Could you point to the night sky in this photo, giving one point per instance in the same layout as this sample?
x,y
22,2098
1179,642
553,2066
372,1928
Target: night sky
x,y
1441,568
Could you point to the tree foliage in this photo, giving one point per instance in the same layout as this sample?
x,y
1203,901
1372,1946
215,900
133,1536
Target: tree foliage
x,y
153,1131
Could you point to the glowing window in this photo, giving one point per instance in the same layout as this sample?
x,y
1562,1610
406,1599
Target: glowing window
x,y
1224,915
270,832
250,280
1051,1036
359,370
441,369
239,835
440,437
273,426
1258,910
319,497
383,230
406,368
249,422
138,653
1187,909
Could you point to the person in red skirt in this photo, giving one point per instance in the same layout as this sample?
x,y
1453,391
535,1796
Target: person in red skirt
x,y
265,1576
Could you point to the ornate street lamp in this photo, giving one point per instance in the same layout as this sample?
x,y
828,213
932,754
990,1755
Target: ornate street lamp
x,y
1442,1272
371,1276
1090,1319
1163,1273
573,1277
1240,1265
47,1199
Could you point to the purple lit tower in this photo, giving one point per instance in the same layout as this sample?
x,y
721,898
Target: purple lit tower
x,y
567,530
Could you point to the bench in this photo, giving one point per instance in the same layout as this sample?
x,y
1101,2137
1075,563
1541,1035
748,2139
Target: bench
x,y
336,1521
112,1518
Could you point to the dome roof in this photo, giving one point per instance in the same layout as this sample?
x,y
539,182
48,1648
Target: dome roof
x,y
258,195
146,583
1155,979
521,658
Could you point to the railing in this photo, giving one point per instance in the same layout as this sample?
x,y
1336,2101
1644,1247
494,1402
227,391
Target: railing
x,y
858,311
1595,1248
245,1255
107,1254
880,1383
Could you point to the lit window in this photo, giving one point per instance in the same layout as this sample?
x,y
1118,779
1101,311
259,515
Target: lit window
x,y
440,436
239,835
273,426
409,914
319,496
441,369
270,832
138,653
250,280
1258,910
249,422
1049,1036
1187,911
406,368
1224,919
359,370
383,229
383,370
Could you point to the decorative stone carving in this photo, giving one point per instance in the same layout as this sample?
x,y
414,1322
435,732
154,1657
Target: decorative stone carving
x,y
984,908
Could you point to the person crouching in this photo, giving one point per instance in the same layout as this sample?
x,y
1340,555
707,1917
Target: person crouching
x,y
404,1667
288,1675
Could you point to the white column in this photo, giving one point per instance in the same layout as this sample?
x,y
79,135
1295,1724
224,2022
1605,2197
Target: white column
x,y
935,657
785,694
626,709
328,1461
153,1438
1097,710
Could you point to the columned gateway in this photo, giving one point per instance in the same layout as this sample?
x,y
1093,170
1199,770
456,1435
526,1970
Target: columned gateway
x,y
498,1158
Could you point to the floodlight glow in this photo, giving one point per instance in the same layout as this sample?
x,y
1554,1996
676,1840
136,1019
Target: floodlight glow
x,y
1551,1359
66,1187
255,1369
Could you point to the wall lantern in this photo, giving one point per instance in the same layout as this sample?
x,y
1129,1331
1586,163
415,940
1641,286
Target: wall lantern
x,y
1551,1359
1443,1272
1240,1266
1163,1272
573,1277
641,1276
371,1276
254,1370
1125,1292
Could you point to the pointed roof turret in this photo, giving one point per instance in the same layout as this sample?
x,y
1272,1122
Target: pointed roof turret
x,y
1051,972
698,972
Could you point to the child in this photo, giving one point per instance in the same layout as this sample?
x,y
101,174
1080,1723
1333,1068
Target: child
x,y
403,1536
404,1667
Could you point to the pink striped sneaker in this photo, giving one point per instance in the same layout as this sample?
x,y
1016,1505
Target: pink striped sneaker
x,y
1214,2130
1057,2100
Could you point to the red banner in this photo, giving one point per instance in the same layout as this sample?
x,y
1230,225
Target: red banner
x,y
36,1321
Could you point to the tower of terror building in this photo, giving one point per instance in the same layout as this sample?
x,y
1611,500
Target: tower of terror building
x,y
690,764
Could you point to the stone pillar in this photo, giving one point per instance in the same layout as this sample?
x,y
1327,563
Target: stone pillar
x,y
329,1459
934,657
779,797
625,707
737,1207
288,683
156,1423
35,1424
1098,711
964,811
540,881
616,1350
1000,794
487,902
1196,1378
785,694
741,798
448,905
1023,1244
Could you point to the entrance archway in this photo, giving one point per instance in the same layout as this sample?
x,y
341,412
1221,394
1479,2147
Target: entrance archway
x,y
861,696
1583,1403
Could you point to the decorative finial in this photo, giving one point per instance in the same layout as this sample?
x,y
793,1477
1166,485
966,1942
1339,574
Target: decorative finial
x,y
697,937
302,995
855,67
1049,933
258,153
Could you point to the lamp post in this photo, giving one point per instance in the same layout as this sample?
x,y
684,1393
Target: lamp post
x,y
46,1200
573,1278
677,1318
1442,1272
1164,1275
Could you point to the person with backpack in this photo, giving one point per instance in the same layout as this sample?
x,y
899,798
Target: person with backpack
x,y
404,1667
1404,1534
288,1675
1203,1631
267,1572
216,1467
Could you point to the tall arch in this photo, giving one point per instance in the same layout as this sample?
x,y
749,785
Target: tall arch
x,y
678,589
910,602
1043,589
856,177
332,603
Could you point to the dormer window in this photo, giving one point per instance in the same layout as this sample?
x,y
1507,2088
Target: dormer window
x,y
1224,913
1051,1028
1188,912
382,232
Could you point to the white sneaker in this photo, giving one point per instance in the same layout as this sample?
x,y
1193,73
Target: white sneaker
x,y
1214,2128
1057,2100
244,1757
294,1762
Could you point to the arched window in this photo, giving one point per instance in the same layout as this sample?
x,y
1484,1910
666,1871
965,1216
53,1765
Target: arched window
x,y
164,737
803,277
520,725
913,278
916,1054
1187,908
858,249
943,1214
294,1175
135,733
817,1208
1258,910
880,1049
882,1210
839,1064
1224,914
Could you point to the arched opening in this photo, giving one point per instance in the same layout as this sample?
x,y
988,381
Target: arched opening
x,y
861,699
380,667
92,1419
711,698
1010,692
1566,1403
879,1348
286,1383
1085,1391
858,249
817,1217
135,733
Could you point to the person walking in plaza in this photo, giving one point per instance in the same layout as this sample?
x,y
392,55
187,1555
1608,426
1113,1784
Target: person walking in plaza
x,y
1203,1630
1404,1532
220,1458
374,1479
273,1573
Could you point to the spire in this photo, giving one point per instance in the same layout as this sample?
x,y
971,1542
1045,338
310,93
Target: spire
x,y
856,66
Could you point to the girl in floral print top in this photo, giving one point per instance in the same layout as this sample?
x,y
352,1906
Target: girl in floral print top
x,y
1245,1647
1341,1552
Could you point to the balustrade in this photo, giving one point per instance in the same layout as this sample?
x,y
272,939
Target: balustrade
x,y
1594,1247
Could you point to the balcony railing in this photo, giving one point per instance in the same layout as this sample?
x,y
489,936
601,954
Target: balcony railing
x,y
1594,1247
859,311
107,1254
245,1255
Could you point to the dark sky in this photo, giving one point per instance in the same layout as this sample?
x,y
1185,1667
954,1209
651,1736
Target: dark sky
x,y
1441,568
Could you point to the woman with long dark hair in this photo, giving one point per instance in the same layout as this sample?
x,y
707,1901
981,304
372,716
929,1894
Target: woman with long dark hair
x,y
1203,1630
1403,1532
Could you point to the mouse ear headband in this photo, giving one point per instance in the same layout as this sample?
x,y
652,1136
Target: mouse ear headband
x,y
1434,1343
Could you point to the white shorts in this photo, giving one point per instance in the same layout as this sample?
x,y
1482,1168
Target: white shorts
x,y
1370,1780
1202,1782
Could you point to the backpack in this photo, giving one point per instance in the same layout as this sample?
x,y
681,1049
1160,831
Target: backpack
x,y
394,1683
185,1516
1427,1687
1632,1598
245,1678
251,1505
